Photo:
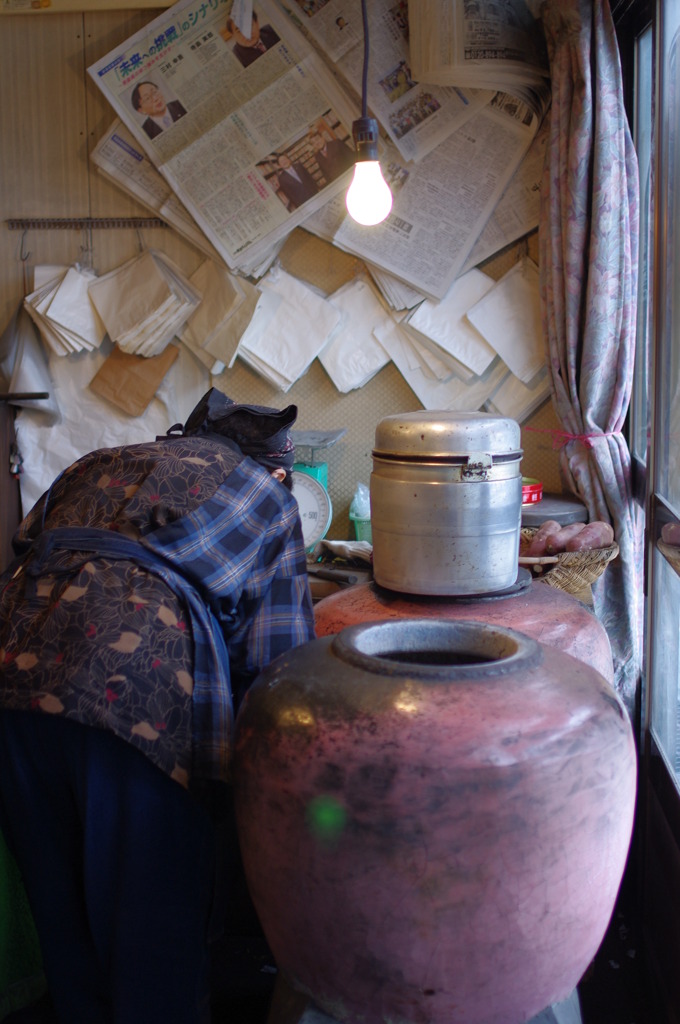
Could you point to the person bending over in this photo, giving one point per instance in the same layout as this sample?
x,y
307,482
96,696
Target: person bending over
x,y
152,584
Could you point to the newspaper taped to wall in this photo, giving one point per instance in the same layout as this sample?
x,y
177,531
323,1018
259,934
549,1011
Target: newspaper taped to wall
x,y
517,212
415,116
231,122
413,260
120,159
442,205
490,44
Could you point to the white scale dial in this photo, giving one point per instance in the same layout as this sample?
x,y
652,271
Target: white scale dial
x,y
315,507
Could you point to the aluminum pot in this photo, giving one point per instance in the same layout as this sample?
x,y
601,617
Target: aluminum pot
x,y
446,502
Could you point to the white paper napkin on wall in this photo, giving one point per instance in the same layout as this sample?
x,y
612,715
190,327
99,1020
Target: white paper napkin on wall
x,y
72,309
509,317
299,327
354,355
518,400
444,322
207,331
62,311
454,393
144,303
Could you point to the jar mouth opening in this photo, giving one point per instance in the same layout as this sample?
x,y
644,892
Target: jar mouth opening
x,y
437,648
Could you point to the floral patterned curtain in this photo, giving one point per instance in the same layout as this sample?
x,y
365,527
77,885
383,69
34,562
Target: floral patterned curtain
x,y
588,247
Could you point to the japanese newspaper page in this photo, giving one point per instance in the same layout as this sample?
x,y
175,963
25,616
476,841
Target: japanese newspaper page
x,y
416,115
477,42
232,122
443,203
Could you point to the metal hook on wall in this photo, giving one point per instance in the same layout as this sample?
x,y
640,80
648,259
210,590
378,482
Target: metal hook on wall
x,y
86,253
24,257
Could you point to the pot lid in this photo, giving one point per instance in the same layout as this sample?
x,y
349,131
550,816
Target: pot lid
x,y
442,433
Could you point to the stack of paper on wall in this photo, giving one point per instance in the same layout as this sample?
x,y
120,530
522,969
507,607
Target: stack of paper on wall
x,y
119,158
398,295
290,328
354,355
233,123
415,114
517,400
509,318
433,393
442,204
514,215
482,44
444,324
491,330
62,311
213,330
517,211
144,303
122,160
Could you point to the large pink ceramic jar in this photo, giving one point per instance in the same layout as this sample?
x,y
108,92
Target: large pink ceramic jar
x,y
434,819
551,616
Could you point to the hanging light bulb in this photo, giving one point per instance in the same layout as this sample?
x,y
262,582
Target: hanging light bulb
x,y
369,199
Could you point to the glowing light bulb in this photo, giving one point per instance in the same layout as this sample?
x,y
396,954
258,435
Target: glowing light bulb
x,y
369,199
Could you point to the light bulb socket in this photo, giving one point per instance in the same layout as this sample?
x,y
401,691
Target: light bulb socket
x,y
365,134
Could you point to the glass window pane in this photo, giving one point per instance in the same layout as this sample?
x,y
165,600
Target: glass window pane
x,y
668,422
664,618
666,664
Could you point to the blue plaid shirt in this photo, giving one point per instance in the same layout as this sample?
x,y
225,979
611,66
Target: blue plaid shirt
x,y
157,580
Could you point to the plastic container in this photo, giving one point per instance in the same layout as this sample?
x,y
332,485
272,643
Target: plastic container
x,y
360,513
362,527
532,490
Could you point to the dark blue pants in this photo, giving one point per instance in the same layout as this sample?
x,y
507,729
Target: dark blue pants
x,y
118,862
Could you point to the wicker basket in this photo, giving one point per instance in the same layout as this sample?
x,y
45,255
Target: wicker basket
x,y
573,571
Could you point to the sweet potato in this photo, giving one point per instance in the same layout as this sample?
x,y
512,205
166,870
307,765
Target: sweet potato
x,y
594,535
558,542
670,533
537,544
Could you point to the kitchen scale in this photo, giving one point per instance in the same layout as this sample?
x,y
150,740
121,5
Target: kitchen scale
x,y
310,483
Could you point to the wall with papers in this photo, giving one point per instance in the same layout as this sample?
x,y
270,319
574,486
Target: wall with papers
x,y
51,120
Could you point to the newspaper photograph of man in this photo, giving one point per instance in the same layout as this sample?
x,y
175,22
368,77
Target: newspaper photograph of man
x,y
332,155
248,48
158,113
288,176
